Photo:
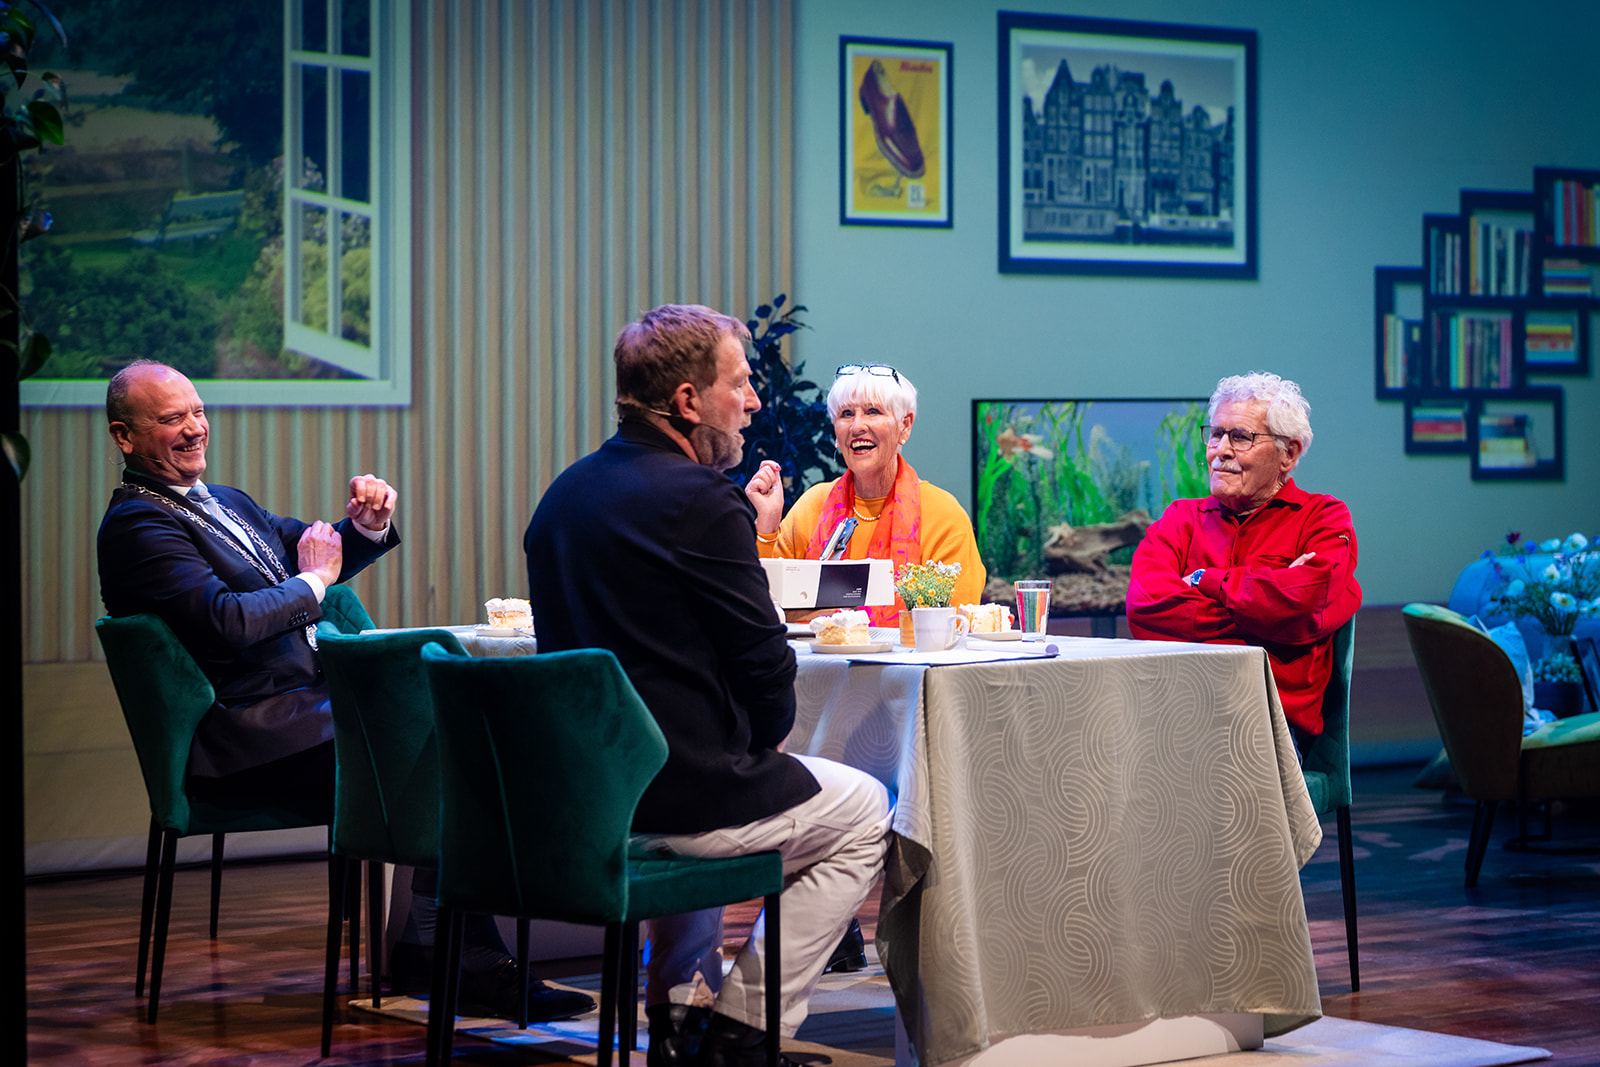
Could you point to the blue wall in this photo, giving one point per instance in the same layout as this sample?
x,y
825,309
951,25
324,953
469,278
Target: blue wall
x,y
1371,113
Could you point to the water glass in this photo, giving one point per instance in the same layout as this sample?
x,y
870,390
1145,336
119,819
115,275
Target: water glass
x,y
1033,607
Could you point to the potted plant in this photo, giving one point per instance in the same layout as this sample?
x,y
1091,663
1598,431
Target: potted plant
x,y
926,589
792,428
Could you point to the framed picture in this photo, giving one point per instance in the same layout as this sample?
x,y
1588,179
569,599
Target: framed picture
x,y
1126,148
894,132
1518,434
1067,486
1437,425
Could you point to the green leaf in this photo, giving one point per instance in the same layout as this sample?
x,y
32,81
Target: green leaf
x,y
46,121
18,454
24,24
37,353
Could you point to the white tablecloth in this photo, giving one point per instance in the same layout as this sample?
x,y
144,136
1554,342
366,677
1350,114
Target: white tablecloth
x,y
1104,837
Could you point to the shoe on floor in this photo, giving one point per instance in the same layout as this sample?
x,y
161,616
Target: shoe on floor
x,y
494,991
676,1031
851,955
730,1043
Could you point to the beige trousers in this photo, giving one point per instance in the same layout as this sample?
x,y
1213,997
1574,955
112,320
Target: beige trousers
x,y
833,847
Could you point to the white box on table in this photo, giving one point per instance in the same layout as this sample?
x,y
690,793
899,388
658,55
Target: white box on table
x,y
809,584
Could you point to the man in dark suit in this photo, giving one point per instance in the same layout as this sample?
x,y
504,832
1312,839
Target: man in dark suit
x,y
645,548
242,589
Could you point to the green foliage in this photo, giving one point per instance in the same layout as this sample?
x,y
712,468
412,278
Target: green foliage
x,y
198,57
27,122
792,428
1181,455
104,319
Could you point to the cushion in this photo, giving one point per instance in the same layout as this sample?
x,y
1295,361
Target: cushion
x,y
1575,730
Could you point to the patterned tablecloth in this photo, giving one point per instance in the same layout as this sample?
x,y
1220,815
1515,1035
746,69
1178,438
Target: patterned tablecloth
x,y
1108,836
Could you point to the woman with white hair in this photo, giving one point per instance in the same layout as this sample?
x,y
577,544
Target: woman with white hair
x,y
879,508
1260,561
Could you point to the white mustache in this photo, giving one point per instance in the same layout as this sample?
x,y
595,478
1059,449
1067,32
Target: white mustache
x,y
1226,469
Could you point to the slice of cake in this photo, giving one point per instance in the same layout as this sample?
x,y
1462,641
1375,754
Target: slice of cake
x,y
509,613
987,618
847,627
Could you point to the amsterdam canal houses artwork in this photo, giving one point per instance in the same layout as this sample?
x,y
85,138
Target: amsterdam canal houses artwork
x,y
1126,148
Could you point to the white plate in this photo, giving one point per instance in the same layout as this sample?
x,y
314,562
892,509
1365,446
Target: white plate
x,y
503,631
851,650
998,635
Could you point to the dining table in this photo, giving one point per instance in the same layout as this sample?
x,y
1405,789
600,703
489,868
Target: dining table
x,y
1090,833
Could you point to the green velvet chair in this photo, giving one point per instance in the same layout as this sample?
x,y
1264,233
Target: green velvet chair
x,y
542,760
1327,773
1476,696
386,794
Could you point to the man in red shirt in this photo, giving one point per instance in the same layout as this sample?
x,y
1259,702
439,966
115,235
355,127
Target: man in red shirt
x,y
1260,561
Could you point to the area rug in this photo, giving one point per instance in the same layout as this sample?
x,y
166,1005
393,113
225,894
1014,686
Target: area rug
x,y
852,1025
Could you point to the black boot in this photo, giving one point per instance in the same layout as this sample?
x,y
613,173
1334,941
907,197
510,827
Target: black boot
x,y
851,955
676,1031
730,1043
494,990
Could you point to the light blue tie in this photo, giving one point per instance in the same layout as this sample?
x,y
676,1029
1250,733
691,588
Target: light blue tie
x,y
210,505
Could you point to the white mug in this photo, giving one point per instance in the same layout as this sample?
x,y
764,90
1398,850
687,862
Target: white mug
x,y
936,629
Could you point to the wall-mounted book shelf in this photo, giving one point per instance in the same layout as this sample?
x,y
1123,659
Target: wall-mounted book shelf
x,y
1509,289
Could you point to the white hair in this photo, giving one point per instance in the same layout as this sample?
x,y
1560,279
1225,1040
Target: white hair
x,y
894,393
1288,412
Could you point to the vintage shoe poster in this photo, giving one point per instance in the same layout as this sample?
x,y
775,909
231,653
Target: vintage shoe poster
x,y
894,132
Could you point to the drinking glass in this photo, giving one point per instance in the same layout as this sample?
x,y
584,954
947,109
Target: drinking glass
x,y
1033,607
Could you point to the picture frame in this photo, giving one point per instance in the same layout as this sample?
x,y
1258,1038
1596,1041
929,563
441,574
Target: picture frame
x,y
1085,463
1082,191
1518,435
895,153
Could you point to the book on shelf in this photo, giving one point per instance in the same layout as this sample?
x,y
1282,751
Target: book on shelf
x,y
1438,425
1471,350
1574,209
1498,255
1503,442
1402,342
1551,337
1571,277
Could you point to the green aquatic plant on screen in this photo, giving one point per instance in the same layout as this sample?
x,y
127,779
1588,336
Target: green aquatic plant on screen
x,y
1041,464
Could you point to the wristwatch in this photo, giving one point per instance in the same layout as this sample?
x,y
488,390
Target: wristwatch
x,y
1194,578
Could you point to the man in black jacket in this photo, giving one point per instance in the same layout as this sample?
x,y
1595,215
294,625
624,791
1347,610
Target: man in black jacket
x,y
645,548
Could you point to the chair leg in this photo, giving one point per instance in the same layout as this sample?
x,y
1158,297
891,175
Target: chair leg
x,y
522,972
169,859
451,926
352,909
1347,882
338,871
611,963
216,880
774,982
628,992
147,906
375,929
1482,823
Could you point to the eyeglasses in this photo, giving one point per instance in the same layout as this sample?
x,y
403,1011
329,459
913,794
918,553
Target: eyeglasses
x,y
1241,440
882,370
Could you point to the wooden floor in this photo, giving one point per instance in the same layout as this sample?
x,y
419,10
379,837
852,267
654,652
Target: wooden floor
x,y
1515,960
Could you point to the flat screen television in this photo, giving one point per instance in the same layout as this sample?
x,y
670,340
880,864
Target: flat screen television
x,y
1052,479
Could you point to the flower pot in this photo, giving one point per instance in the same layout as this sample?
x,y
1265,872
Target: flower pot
x,y
1563,699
